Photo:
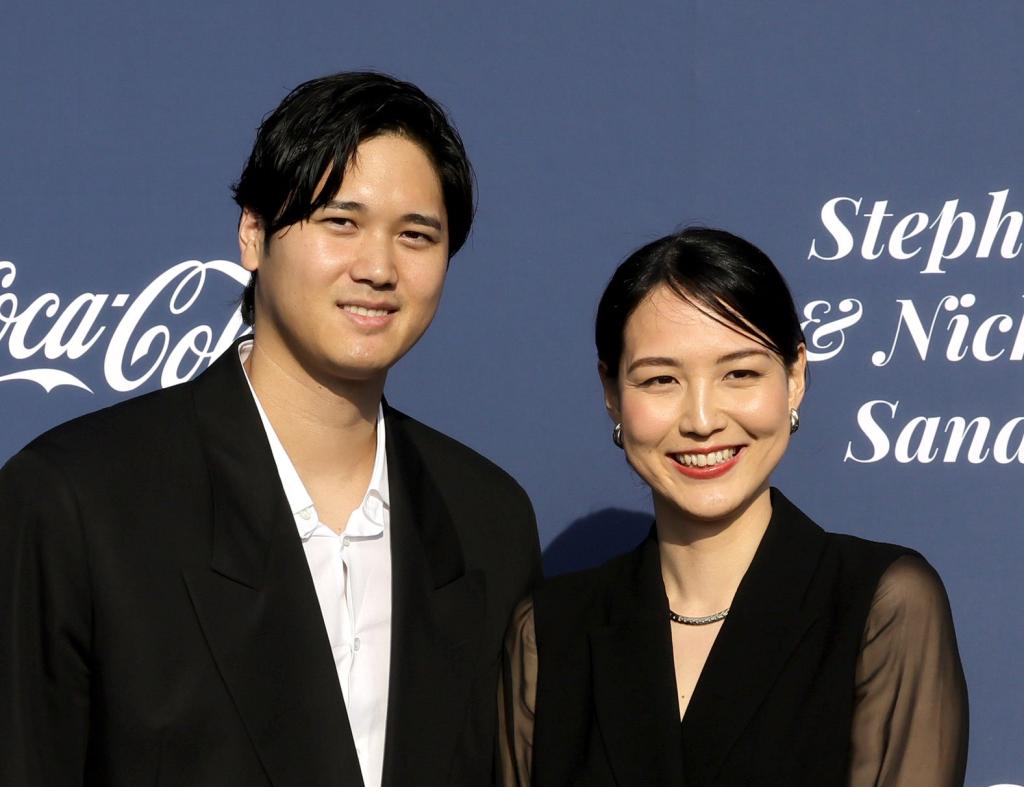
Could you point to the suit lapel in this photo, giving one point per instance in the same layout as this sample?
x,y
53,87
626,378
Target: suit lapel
x,y
256,601
769,615
437,613
634,677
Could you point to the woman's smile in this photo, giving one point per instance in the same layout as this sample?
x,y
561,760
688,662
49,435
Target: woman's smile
x,y
706,463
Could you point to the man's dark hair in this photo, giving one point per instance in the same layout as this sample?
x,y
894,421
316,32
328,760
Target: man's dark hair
x,y
730,278
316,130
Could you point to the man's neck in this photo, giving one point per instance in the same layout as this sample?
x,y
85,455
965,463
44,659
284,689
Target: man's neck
x,y
327,427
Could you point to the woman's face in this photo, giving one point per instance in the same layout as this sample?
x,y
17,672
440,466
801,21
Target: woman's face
x,y
704,409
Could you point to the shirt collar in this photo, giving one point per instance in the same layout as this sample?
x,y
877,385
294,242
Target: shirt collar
x,y
376,501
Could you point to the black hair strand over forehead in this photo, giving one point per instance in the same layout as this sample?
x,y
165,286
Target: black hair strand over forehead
x,y
733,280
303,147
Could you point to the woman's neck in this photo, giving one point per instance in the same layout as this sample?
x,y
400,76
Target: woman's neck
x,y
702,563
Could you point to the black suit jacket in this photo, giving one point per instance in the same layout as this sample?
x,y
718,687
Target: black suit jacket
x,y
160,625
774,702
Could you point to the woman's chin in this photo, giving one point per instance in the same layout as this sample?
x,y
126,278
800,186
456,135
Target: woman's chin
x,y
714,510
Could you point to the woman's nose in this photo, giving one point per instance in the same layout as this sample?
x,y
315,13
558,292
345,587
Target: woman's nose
x,y
700,413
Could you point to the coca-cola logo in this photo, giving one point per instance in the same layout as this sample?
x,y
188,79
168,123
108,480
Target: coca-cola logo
x,y
46,332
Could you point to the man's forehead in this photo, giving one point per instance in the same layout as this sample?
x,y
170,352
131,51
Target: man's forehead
x,y
371,147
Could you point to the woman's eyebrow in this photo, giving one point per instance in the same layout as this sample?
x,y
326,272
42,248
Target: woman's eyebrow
x,y
652,361
740,355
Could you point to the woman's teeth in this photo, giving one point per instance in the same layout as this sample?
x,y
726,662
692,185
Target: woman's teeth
x,y
706,460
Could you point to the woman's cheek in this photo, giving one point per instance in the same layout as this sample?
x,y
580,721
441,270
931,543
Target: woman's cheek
x,y
763,413
647,420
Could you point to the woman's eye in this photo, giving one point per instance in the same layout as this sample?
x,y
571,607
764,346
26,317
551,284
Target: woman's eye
x,y
340,221
661,379
742,374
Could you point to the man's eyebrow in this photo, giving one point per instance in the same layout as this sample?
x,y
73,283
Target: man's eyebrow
x,y
652,361
740,355
426,221
337,204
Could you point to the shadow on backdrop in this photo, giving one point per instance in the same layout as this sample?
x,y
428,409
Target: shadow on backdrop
x,y
593,539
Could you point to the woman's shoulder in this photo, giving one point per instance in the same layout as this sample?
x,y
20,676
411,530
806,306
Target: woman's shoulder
x,y
892,568
856,549
902,582
880,576
587,595
909,589
578,586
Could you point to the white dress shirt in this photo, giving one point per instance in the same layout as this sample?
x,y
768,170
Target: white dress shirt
x,y
352,575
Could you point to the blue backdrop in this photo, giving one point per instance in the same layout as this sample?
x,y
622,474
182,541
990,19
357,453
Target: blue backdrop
x,y
872,149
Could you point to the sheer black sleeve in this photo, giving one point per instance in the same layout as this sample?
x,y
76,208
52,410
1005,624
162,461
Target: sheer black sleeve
x,y
517,697
910,717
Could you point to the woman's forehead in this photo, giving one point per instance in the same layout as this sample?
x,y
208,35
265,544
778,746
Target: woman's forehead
x,y
666,318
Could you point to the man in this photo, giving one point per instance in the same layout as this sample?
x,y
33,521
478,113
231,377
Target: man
x,y
267,575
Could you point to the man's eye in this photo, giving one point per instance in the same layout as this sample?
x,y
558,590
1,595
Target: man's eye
x,y
342,222
418,237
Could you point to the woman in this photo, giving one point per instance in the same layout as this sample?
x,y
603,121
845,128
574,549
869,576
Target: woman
x,y
740,643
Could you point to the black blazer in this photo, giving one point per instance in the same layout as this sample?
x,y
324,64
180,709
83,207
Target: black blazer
x,y
160,625
774,702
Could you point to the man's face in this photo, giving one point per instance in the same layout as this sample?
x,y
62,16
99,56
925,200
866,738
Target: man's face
x,y
344,294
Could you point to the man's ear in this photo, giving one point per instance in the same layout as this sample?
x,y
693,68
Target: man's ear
x,y
611,393
797,378
250,240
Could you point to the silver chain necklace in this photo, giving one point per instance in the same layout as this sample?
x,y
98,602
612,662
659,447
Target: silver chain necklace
x,y
688,621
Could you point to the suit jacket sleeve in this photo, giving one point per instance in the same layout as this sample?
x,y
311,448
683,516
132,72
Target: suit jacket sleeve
x,y
45,627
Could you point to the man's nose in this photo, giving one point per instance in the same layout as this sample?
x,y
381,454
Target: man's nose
x,y
375,261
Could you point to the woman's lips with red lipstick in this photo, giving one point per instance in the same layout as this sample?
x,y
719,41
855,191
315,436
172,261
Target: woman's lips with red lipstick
x,y
710,463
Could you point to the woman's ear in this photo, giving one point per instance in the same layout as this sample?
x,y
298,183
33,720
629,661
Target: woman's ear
x,y
611,393
250,240
797,378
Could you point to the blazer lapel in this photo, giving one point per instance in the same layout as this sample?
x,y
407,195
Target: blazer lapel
x,y
769,615
256,601
634,677
437,613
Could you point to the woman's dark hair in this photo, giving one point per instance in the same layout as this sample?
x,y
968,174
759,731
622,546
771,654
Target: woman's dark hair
x,y
316,130
729,277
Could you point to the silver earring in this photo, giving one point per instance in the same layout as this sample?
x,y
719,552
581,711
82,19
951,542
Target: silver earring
x,y
794,420
617,435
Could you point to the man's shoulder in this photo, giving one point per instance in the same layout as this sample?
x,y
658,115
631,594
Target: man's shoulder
x,y
449,459
490,511
141,422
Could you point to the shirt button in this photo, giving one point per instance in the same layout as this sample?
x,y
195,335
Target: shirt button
x,y
304,513
355,644
346,541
